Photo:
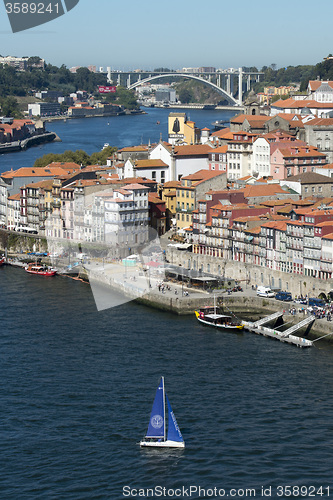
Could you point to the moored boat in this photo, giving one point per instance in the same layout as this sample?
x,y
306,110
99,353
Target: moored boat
x,y
212,316
39,269
2,260
156,436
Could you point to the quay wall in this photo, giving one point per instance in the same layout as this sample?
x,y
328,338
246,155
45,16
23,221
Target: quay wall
x,y
16,242
250,274
241,305
10,147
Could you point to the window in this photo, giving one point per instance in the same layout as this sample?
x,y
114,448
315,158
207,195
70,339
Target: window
x,y
153,175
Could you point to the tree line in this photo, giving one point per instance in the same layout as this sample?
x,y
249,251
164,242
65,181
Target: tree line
x,y
79,156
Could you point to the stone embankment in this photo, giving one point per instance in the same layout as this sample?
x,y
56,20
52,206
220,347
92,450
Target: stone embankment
x,y
10,147
242,272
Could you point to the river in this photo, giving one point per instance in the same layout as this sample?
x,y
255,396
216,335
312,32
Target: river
x,y
90,134
77,387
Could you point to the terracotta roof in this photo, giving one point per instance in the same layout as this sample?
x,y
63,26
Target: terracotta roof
x,y
122,191
129,149
274,203
325,223
310,178
153,198
297,104
14,197
253,118
193,150
33,172
135,186
319,122
327,237
66,165
221,133
281,225
150,164
220,149
172,184
203,175
315,84
285,209
47,184
254,190
300,152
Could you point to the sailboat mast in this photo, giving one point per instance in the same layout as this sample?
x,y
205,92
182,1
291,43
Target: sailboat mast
x,y
164,409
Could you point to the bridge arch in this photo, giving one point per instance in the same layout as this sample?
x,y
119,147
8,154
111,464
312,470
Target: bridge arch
x,y
225,94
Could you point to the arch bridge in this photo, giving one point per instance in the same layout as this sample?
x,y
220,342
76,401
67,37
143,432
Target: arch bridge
x,y
221,81
220,90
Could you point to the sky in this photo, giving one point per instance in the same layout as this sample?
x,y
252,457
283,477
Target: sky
x,y
146,34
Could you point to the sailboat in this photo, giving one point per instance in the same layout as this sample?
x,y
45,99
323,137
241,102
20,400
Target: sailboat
x,y
211,316
157,436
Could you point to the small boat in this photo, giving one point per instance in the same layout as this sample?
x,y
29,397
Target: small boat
x,y
2,261
33,268
211,316
156,434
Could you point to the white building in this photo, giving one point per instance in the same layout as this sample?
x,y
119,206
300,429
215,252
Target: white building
x,y
320,91
13,211
126,216
261,157
182,160
154,169
3,202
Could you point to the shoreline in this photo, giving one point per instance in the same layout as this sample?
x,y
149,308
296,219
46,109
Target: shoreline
x,y
11,147
49,119
246,307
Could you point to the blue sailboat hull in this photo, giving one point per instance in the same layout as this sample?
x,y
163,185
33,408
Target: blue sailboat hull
x,y
162,444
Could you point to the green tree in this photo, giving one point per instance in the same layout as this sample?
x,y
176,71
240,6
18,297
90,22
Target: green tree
x,y
100,157
123,97
9,107
186,95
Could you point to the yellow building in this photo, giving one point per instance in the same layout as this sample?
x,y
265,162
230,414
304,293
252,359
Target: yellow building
x,y
168,195
182,131
185,204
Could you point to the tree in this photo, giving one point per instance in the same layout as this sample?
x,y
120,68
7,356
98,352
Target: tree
x,y
9,107
186,95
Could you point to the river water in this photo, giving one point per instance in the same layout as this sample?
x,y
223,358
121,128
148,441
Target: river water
x,y
77,385
90,134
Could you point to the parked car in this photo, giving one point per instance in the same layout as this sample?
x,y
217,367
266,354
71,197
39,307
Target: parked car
x,y
285,296
265,291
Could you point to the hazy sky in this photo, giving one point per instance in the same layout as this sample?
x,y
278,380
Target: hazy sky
x,y
147,34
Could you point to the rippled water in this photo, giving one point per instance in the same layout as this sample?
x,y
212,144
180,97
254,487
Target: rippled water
x,y
77,386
